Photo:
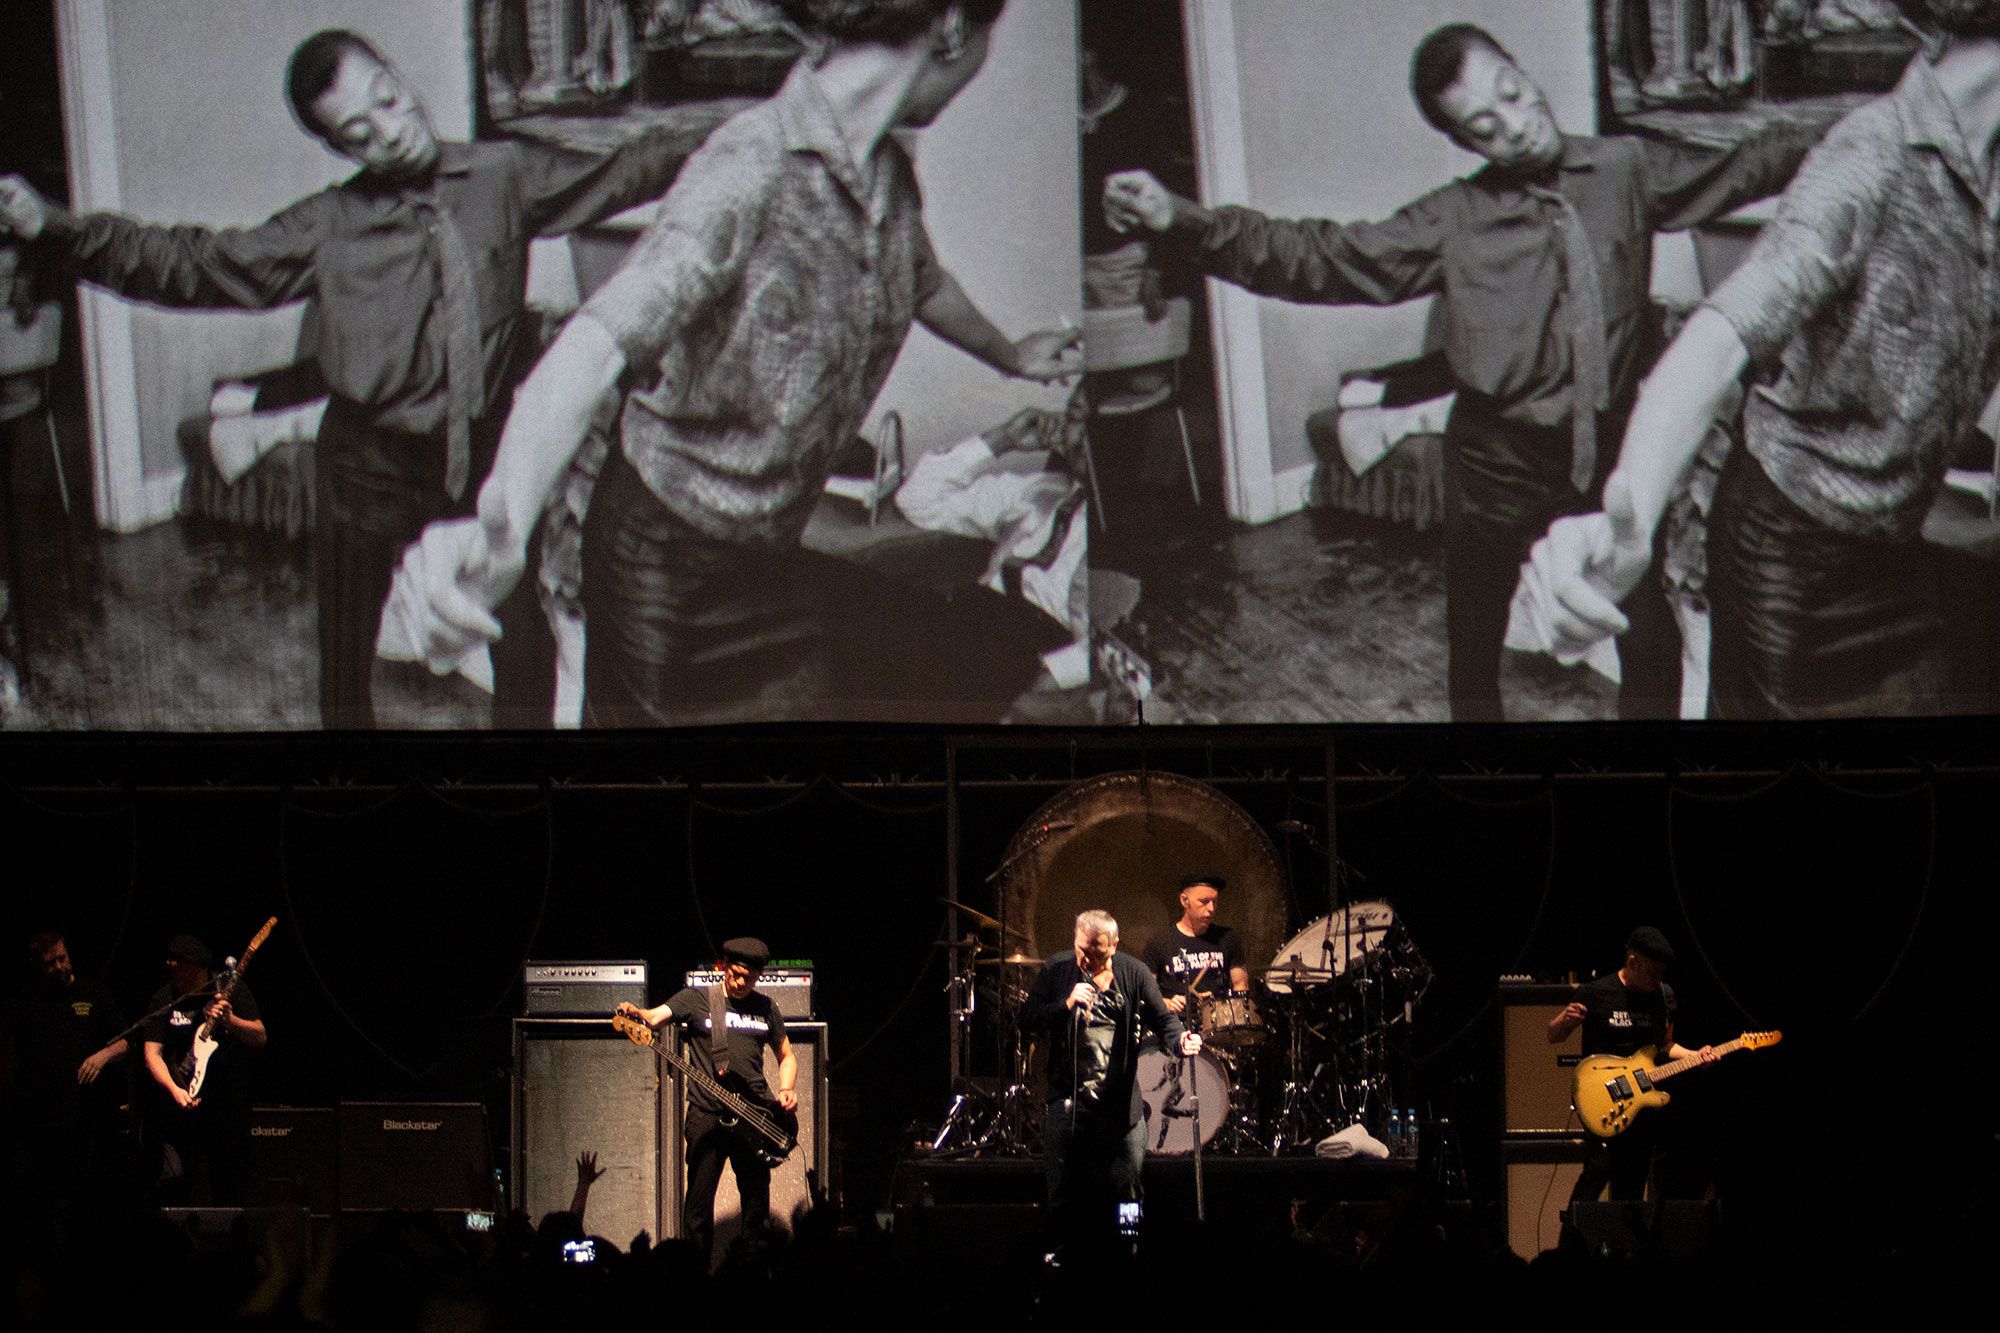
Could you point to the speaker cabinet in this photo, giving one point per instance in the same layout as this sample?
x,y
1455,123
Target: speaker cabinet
x,y
1540,1175
292,1158
416,1156
1536,1077
789,1187
582,1086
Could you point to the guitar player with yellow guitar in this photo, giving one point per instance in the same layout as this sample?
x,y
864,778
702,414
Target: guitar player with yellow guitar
x,y
1629,1015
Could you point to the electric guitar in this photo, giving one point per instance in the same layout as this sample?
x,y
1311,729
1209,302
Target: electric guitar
x,y
1612,1089
766,1126
191,1071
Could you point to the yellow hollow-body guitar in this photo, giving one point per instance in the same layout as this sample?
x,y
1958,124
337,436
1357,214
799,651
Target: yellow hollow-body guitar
x,y
1611,1090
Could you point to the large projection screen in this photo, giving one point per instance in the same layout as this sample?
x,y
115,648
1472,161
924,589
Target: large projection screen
x,y
857,401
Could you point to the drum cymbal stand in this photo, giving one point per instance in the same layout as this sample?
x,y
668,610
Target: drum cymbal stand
x,y
1012,1130
1300,1121
1371,1080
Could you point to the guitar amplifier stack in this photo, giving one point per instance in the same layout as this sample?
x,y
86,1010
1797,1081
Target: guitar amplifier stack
x,y
581,1086
1541,1145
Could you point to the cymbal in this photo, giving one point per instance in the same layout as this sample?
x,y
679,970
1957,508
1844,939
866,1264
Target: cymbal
x,y
1296,973
1011,960
990,922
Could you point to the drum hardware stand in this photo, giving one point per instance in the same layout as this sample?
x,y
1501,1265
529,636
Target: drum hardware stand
x,y
1300,1118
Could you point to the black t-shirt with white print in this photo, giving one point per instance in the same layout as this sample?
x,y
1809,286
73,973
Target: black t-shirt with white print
x,y
1619,1020
1177,959
754,1023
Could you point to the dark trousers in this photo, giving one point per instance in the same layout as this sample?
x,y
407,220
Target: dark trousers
x,y
709,1146
1814,623
376,490
1505,482
212,1146
1623,1163
682,628
1092,1165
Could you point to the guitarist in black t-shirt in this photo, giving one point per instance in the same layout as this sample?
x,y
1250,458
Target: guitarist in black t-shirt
x,y
1619,1014
205,1123
750,1023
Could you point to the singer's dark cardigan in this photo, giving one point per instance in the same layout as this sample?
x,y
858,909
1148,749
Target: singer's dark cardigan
x,y
1044,1012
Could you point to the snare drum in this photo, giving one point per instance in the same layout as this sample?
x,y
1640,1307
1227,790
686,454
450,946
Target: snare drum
x,y
1231,1023
1173,1087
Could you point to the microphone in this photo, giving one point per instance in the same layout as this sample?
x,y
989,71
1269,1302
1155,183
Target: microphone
x,y
1295,826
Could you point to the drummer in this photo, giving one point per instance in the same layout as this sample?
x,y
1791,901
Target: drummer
x,y
1195,955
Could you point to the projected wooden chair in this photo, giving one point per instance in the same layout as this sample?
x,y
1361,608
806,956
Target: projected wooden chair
x,y
1121,338
27,353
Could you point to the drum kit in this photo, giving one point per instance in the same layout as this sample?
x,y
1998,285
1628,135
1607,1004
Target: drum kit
x,y
1302,1055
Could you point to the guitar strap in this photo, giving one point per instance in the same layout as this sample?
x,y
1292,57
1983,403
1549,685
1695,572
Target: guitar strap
x,y
718,1029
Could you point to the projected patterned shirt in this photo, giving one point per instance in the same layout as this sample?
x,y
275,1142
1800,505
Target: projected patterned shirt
x,y
1867,306
761,311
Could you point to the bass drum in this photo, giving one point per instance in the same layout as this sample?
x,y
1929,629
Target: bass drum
x,y
1172,1088
1324,950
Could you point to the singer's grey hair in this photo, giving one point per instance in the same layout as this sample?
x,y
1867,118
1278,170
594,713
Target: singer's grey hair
x,y
1097,922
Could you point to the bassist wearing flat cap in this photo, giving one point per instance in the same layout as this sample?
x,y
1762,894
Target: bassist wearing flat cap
x,y
733,1114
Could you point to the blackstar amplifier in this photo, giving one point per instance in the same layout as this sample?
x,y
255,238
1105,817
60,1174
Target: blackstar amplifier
x,y
416,1156
790,988
581,989
292,1158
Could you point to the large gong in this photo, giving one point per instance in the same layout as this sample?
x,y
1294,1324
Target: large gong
x,y
1129,839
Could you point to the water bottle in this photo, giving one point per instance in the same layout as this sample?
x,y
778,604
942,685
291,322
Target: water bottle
x,y
1410,1142
1395,1133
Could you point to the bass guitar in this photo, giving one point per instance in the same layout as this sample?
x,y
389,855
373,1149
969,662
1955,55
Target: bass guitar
x,y
1611,1090
191,1070
766,1126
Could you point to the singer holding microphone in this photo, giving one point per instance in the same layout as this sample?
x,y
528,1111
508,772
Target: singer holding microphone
x,y
1093,1005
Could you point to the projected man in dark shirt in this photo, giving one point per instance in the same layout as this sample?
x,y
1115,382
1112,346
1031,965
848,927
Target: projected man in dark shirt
x,y
1543,262
416,270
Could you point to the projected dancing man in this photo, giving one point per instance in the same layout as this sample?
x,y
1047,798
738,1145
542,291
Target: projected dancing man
x,y
752,324
1543,260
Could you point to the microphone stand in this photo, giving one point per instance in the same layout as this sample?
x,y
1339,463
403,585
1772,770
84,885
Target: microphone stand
x,y
1194,1098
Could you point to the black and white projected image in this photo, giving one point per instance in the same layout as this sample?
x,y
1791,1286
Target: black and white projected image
x,y
1046,362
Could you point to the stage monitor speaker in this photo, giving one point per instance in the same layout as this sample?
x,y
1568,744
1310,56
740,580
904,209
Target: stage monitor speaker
x,y
1540,1175
293,1158
417,1156
789,1187
580,1085
1536,1077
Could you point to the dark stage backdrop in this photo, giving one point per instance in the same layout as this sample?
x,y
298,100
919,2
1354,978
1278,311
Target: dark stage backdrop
x,y
1854,912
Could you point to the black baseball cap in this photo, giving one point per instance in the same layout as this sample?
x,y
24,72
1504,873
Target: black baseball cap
x,y
190,950
1648,942
747,950
1216,882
